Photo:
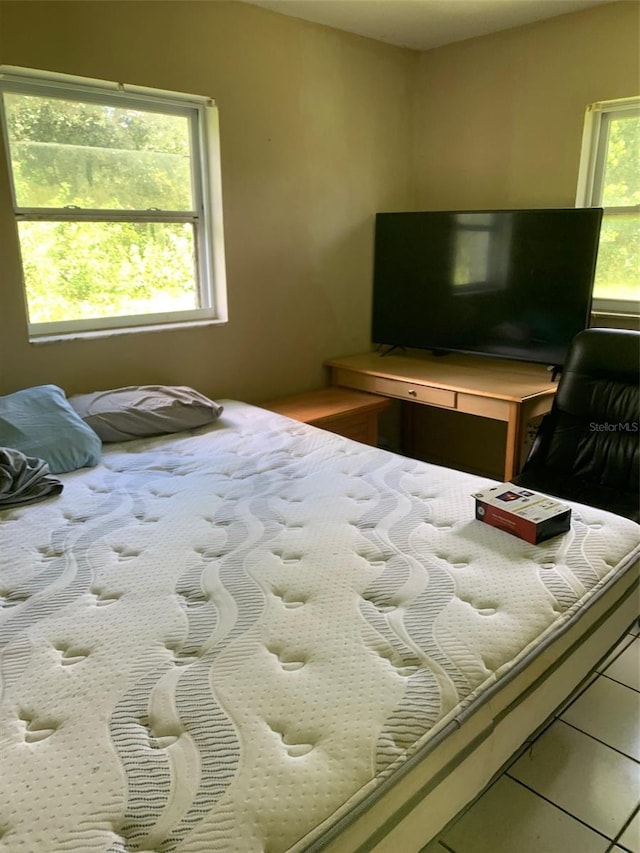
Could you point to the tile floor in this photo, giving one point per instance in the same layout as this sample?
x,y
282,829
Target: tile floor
x,y
576,789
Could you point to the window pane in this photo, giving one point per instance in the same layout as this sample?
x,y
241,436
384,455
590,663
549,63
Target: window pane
x,y
618,269
97,156
471,257
622,167
81,270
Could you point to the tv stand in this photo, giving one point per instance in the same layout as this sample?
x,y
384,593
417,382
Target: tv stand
x,y
509,391
391,349
555,372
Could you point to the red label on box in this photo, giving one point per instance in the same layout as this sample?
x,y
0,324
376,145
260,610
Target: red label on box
x,y
520,527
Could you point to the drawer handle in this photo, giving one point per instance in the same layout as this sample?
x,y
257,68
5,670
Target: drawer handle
x,y
412,393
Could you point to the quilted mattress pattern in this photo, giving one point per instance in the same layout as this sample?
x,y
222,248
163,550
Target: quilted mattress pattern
x,y
219,641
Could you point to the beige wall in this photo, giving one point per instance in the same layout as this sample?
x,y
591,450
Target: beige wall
x,y
319,130
499,118
315,135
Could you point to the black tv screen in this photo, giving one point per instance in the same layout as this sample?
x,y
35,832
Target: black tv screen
x,y
504,283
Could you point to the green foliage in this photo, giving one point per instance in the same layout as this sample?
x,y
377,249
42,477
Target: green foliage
x,y
622,168
95,156
53,175
618,270
80,270
98,157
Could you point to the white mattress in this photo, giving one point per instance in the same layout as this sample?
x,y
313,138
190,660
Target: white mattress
x,y
226,640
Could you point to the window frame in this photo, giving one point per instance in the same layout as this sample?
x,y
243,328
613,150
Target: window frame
x,y
591,171
206,180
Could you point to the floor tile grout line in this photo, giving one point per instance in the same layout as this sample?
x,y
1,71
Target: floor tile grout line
x,y
606,660
627,639
528,746
617,846
592,676
557,716
624,829
446,846
591,679
598,740
571,700
560,808
617,681
580,690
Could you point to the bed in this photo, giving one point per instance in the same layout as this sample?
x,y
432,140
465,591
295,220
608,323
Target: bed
x,y
259,636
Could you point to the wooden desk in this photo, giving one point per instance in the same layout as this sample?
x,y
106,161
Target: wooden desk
x,y
348,413
513,392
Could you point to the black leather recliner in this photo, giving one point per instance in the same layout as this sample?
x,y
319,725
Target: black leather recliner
x,y
588,447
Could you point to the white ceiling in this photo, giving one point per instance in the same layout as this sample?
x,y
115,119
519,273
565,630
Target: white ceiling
x,y
424,24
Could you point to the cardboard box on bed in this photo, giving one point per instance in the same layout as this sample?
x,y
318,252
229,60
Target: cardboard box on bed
x,y
526,514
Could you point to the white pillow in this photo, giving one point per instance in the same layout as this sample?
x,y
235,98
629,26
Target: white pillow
x,y
122,414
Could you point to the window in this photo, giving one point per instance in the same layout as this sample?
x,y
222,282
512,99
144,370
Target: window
x,y
480,254
116,193
610,178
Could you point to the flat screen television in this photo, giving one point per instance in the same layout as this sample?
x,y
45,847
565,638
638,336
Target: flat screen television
x,y
513,284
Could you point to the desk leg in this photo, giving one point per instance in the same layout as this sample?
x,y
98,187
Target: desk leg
x,y
514,435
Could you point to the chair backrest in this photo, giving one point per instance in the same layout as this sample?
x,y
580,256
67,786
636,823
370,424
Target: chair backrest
x,y
594,434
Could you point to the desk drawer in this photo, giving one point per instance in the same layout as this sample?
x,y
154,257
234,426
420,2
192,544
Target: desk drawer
x,y
358,427
397,388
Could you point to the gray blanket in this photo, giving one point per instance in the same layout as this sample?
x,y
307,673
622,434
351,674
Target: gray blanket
x,y
24,479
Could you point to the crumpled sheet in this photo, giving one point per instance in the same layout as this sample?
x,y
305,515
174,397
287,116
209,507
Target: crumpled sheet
x,y
24,479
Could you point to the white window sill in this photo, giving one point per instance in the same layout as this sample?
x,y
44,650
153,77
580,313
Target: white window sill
x,y
620,315
612,320
128,330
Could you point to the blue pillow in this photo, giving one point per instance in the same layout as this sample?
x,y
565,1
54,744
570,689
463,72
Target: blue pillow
x,y
40,422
